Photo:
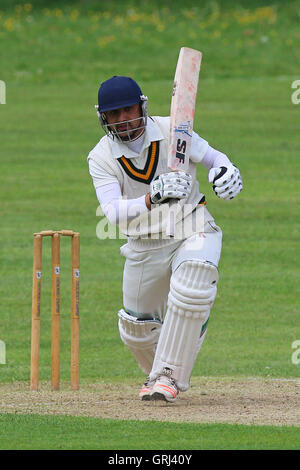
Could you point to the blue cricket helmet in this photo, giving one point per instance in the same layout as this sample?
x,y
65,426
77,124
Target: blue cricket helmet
x,y
118,92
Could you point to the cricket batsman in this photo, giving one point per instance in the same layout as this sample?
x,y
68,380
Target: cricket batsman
x,y
173,243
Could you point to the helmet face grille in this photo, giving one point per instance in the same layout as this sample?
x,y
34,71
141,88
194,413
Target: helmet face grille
x,y
130,133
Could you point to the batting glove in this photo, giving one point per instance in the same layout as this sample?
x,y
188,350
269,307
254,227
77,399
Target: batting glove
x,y
227,182
173,185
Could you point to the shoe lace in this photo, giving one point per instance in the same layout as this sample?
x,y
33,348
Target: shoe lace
x,y
167,372
147,381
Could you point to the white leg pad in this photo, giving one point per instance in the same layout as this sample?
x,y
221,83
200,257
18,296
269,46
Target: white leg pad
x,y
141,337
193,290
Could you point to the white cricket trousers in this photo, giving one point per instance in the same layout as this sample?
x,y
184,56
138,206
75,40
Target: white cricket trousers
x,y
147,274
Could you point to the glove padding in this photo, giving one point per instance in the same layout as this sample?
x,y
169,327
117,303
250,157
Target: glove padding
x,y
173,185
227,182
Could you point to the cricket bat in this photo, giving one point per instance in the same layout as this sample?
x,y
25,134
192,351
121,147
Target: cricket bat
x,y
183,108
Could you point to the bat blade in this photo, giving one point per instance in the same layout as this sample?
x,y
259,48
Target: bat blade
x,y
183,108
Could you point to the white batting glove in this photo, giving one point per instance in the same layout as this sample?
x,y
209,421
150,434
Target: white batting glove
x,y
173,185
227,182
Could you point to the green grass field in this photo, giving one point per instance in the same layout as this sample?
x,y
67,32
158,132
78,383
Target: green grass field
x,y
61,433
53,59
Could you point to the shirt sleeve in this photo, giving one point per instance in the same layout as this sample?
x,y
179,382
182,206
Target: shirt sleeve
x,y
214,159
116,209
99,176
198,148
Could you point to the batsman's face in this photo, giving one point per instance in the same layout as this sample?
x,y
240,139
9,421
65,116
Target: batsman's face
x,y
126,122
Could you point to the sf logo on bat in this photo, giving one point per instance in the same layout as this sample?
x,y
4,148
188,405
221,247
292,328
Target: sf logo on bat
x,y
183,139
181,150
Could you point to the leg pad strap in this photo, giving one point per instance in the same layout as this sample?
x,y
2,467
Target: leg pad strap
x,y
141,337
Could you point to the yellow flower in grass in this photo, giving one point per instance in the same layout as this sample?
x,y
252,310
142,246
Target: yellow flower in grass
x,y
95,17
243,17
189,14
58,13
9,24
160,27
224,25
134,18
74,15
27,7
259,15
266,13
118,20
105,40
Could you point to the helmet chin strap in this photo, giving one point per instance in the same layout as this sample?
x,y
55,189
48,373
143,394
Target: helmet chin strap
x,y
133,139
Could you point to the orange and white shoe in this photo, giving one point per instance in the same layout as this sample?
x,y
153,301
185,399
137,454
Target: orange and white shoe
x,y
164,388
146,390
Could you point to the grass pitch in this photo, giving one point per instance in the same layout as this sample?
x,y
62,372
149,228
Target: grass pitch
x,y
37,432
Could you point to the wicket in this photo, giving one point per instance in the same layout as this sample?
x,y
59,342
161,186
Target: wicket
x,y
55,305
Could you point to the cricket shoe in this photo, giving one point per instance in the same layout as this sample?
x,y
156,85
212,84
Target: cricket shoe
x,y
164,388
146,390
